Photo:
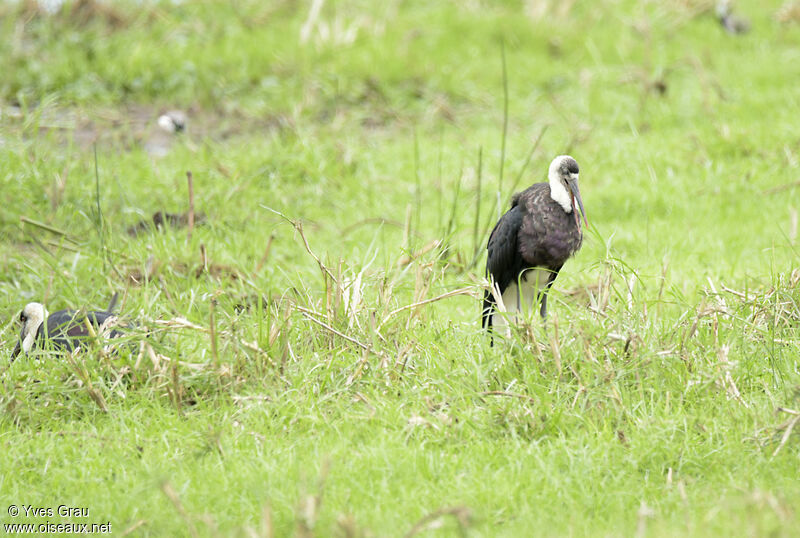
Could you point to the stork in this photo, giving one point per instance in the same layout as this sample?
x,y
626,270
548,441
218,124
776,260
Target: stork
x,y
173,121
63,330
531,242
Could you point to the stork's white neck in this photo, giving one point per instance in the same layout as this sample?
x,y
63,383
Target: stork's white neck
x,y
30,330
30,337
36,314
558,192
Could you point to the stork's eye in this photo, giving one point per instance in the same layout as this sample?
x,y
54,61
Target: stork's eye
x,y
22,317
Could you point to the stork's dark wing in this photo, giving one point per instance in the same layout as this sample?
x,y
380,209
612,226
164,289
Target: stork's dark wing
x,y
503,259
67,328
503,262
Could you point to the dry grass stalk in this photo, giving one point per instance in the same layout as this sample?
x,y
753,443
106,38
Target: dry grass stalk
x,y
789,12
497,296
508,394
348,527
462,291
540,9
172,495
158,359
120,376
176,387
93,335
603,293
265,257
61,246
183,323
781,188
203,260
402,357
407,259
352,298
299,227
253,346
727,380
59,186
154,357
90,435
787,432
267,529
48,228
179,323
581,388
555,346
644,513
359,368
461,514
631,282
309,314
134,527
734,292
422,284
83,375
308,510
311,20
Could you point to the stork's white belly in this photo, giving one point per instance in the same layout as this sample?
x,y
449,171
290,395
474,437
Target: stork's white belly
x,y
519,299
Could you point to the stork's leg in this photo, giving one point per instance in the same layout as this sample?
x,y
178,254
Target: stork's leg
x,y
544,292
543,310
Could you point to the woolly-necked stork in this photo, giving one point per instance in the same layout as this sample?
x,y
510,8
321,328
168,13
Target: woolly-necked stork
x,y
63,330
531,242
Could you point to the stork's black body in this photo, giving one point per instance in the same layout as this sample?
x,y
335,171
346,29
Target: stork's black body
x,y
65,330
537,234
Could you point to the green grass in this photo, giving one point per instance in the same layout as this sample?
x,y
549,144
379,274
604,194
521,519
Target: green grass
x,y
654,402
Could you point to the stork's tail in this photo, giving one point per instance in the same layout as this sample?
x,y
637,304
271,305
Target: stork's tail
x,y
113,303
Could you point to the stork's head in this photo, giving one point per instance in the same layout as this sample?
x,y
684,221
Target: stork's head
x,y
31,317
563,177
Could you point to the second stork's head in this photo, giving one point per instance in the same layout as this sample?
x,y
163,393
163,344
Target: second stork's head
x,y
563,177
31,317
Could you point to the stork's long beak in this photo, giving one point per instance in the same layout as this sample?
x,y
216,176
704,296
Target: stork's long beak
x,y
576,196
19,344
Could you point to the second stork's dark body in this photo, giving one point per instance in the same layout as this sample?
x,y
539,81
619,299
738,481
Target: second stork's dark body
x,y
63,330
531,242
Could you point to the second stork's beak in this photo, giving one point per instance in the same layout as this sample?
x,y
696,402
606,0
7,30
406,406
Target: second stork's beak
x,y
18,347
576,196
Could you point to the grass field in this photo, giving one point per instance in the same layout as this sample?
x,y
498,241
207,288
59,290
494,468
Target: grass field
x,y
308,358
